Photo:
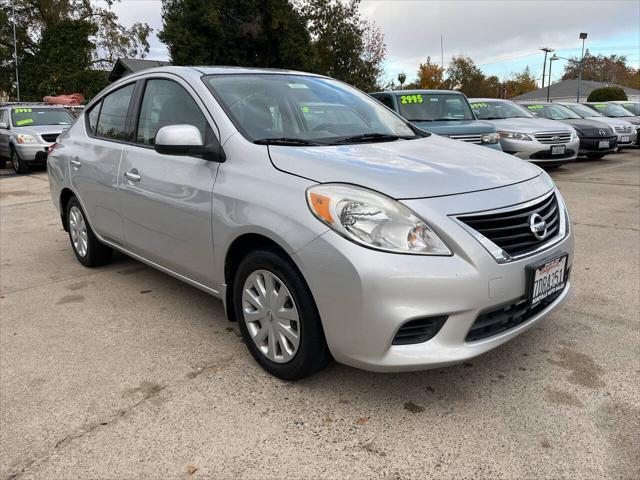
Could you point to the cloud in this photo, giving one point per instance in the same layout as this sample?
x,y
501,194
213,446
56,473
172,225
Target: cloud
x,y
493,32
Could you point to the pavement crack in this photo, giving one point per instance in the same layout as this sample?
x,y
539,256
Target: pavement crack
x,y
85,431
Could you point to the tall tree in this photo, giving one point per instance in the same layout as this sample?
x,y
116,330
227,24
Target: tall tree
x,y
430,75
519,83
465,76
258,33
344,44
87,36
601,68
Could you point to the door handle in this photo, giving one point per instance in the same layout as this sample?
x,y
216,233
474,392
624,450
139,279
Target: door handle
x,y
76,164
132,175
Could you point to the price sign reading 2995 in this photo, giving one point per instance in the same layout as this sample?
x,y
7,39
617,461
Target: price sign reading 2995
x,y
410,99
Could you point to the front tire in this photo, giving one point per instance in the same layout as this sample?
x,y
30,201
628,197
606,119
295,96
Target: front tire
x,y
88,249
19,166
278,317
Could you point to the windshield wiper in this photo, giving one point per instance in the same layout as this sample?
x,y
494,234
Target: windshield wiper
x,y
419,120
492,118
285,141
372,137
450,119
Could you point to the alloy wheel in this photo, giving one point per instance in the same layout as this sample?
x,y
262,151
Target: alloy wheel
x,y
271,316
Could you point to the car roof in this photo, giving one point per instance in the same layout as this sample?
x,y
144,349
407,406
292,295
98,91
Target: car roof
x,y
222,70
489,100
419,92
33,105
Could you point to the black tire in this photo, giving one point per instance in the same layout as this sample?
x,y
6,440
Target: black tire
x,y
19,166
97,254
312,354
595,156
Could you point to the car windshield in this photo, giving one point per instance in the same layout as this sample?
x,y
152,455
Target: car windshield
x,y
497,110
299,110
632,107
583,111
611,110
33,116
427,107
552,112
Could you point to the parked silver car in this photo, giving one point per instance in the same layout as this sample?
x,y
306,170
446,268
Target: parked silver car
x,y
340,232
613,110
27,131
522,134
626,132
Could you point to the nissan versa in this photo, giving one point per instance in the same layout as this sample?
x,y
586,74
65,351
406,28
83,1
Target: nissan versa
x,y
522,134
443,112
341,232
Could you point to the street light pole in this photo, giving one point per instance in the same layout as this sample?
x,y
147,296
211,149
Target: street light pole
x,y
544,65
551,60
583,37
15,47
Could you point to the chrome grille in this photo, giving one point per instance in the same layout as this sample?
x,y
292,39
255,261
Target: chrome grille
x,y
510,230
553,137
623,129
468,138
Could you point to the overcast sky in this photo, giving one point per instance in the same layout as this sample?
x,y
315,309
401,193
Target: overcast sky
x,y
500,36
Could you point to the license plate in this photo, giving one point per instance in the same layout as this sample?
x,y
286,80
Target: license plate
x,y
603,144
625,139
547,278
557,150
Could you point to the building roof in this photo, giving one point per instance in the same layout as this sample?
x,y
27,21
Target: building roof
x,y
125,66
569,88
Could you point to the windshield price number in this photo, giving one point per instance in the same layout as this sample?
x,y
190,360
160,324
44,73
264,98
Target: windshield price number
x,y
405,99
22,110
478,105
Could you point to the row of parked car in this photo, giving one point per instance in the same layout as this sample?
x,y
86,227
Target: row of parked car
x,y
549,133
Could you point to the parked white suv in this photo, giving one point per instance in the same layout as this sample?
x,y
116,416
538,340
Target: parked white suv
x,y
27,131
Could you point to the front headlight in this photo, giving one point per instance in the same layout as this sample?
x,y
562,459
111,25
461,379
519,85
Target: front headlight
x,y
24,138
515,135
490,138
373,220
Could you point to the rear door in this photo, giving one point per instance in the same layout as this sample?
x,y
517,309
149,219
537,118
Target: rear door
x,y
95,161
167,199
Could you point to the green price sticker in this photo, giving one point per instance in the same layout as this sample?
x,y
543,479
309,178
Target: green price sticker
x,y
600,105
25,121
479,105
305,109
405,99
22,110
535,107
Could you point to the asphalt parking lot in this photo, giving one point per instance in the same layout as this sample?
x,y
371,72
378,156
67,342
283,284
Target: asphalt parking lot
x,y
124,372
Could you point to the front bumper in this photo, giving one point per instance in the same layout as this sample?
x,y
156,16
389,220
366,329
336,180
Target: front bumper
x,y
364,296
627,139
32,152
592,145
538,152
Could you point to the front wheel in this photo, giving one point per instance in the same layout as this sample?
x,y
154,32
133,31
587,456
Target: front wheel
x,y
19,166
278,317
88,249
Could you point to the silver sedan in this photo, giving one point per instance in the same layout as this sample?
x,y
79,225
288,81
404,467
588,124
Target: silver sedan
x,y
328,225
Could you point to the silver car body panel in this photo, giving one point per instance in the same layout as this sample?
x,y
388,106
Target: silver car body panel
x,y
184,215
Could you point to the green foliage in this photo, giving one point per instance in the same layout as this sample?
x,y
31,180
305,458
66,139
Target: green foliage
x,y
519,83
607,94
465,76
258,33
343,44
64,46
601,68
321,36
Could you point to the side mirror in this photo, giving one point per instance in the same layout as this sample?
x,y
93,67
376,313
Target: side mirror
x,y
4,125
186,140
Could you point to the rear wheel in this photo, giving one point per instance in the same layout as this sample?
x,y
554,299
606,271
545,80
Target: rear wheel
x,y
19,166
88,249
277,316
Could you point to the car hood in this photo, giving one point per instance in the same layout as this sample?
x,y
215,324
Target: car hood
x,y
428,167
588,127
634,120
456,127
529,125
40,129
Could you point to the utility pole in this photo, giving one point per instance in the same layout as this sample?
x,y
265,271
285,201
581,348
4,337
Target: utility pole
x,y
546,50
15,47
583,37
551,60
